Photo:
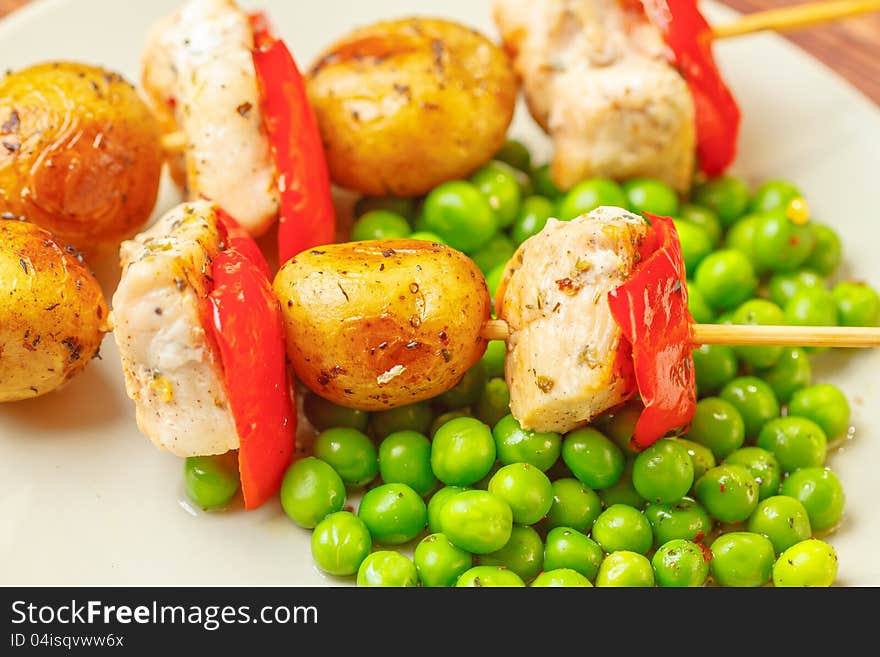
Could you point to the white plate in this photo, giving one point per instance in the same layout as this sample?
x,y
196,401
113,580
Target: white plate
x,y
85,499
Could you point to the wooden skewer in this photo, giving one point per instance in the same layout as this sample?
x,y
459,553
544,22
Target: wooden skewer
x,y
746,335
173,142
788,18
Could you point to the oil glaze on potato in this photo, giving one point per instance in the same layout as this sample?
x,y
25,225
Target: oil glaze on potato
x,y
79,153
405,105
373,325
52,312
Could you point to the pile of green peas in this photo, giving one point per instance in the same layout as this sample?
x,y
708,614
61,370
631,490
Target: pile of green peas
x,y
453,492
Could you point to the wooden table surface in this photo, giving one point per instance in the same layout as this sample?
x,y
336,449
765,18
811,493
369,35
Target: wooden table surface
x,y
851,47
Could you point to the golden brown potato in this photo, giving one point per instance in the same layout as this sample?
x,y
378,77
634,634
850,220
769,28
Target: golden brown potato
x,y
79,153
406,105
52,312
373,325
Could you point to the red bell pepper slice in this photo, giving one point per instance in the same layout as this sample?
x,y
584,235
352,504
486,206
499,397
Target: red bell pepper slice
x,y
717,115
651,309
249,335
307,217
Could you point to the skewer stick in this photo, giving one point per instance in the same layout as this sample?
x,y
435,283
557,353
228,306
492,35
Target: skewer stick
x,y
745,335
788,18
173,142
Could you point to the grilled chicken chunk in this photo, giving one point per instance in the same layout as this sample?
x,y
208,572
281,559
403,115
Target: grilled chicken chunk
x,y
201,57
563,366
597,78
170,367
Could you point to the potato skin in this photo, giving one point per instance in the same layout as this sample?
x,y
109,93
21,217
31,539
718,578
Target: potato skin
x,y
378,324
406,105
53,314
79,153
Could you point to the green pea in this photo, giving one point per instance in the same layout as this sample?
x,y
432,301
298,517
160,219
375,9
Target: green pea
x,y
796,442
560,577
680,563
717,425
394,513
649,195
574,505
697,305
405,458
467,391
809,563
741,237
568,548
426,236
695,244
622,527
726,196
387,568
782,519
523,554
592,458
811,307
515,154
498,182
489,576
784,285
526,490
625,568
663,472
755,401
728,492
701,457
483,484
459,213
819,490
405,207
439,562
542,181
463,451
781,244
443,418
762,313
827,253
310,491
762,465
773,195
437,502
857,304
517,445
497,251
211,481
340,543
532,218
715,366
742,559
350,453
704,218
323,414
790,373
477,521
726,278
493,358
684,519
588,195
380,225
494,402
620,424
412,417
623,492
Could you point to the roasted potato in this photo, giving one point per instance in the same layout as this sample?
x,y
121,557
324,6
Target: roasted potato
x,y
373,325
406,105
52,312
79,153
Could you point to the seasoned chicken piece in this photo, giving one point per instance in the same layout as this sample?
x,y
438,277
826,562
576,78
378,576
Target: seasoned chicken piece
x,y
562,364
171,370
597,78
200,57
